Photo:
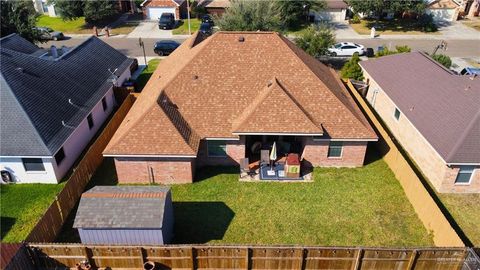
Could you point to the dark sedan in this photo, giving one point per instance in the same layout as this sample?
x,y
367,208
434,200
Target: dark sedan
x,y
165,47
47,33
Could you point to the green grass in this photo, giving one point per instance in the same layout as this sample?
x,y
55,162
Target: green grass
x,y
79,26
22,205
343,207
182,27
147,73
465,210
390,27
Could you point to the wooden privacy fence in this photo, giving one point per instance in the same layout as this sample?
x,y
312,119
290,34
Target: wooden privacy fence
x,y
61,256
425,206
52,221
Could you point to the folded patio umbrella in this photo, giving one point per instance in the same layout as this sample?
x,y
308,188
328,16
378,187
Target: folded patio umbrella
x,y
273,155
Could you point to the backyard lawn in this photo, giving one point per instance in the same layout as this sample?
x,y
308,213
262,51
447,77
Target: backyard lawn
x,y
344,207
79,26
147,73
22,205
182,27
390,27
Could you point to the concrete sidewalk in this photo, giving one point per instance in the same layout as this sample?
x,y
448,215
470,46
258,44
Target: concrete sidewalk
x,y
450,31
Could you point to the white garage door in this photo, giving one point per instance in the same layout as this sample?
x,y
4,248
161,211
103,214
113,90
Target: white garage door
x,y
154,13
337,15
442,14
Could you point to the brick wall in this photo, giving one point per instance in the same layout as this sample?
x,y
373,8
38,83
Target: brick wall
x,y
158,170
235,151
315,152
431,164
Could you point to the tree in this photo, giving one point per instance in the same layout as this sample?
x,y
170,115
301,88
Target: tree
x,y
19,17
351,69
316,40
443,59
294,12
246,15
69,9
378,7
96,11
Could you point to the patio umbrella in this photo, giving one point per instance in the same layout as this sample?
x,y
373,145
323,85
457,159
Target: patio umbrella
x,y
273,155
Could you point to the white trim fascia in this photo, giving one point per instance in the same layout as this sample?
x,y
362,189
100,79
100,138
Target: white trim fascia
x,y
278,134
345,140
150,156
222,139
461,164
26,156
143,3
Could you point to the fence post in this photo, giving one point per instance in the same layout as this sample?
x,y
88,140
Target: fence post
x,y
413,260
358,261
247,258
59,208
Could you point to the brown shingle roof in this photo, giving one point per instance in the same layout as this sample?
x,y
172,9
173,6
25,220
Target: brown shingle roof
x,y
442,106
212,83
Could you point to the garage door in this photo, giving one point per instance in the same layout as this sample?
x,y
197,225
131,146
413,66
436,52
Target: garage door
x,y
442,14
154,13
337,15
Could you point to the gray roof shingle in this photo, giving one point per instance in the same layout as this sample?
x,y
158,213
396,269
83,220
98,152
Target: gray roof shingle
x,y
35,92
443,107
122,207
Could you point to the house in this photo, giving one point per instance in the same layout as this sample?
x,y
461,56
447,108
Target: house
x,y
125,215
433,113
336,11
212,101
471,8
52,104
153,9
443,10
214,7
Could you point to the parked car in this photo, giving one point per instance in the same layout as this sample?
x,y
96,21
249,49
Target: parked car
x,y
165,47
470,71
206,29
47,33
346,49
166,21
207,19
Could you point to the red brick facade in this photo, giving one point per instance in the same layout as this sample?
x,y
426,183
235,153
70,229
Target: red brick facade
x,y
155,170
448,184
315,153
235,151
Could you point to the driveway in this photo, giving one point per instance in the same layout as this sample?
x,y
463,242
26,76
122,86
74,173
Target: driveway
x,y
149,29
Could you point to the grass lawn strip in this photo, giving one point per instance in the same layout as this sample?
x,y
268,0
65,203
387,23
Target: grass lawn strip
x,y
79,26
147,73
391,27
182,27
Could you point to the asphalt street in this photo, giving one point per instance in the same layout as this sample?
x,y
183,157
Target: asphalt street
x,y
455,48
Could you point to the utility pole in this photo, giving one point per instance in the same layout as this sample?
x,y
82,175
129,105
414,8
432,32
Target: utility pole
x,y
141,44
188,17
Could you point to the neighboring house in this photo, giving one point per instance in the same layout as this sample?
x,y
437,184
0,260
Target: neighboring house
x,y
153,9
471,8
443,10
433,113
214,7
43,7
52,104
211,101
336,11
125,215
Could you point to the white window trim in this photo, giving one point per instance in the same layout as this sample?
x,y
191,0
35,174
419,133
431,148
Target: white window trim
x,y
465,183
341,152
210,156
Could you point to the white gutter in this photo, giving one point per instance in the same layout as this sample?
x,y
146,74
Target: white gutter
x,y
222,139
26,156
459,164
346,140
277,134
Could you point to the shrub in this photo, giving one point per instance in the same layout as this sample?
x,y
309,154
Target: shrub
x,y
316,40
427,23
443,59
355,19
403,49
398,49
351,69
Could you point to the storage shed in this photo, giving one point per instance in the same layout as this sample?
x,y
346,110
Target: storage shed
x,y
127,215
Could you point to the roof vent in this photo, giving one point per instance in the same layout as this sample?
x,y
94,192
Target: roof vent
x,y
241,39
19,69
195,77
53,51
269,83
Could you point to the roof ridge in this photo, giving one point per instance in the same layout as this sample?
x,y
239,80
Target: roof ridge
x,y
461,139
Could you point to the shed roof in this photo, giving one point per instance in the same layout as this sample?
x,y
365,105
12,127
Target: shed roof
x,y
122,207
443,107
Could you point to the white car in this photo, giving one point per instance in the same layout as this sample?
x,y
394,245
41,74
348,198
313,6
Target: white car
x,y
346,49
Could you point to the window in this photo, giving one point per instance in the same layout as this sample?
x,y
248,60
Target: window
x,y
464,175
217,148
104,104
59,156
335,149
396,114
33,164
90,121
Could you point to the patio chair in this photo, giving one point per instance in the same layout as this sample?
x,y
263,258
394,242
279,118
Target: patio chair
x,y
264,157
245,168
